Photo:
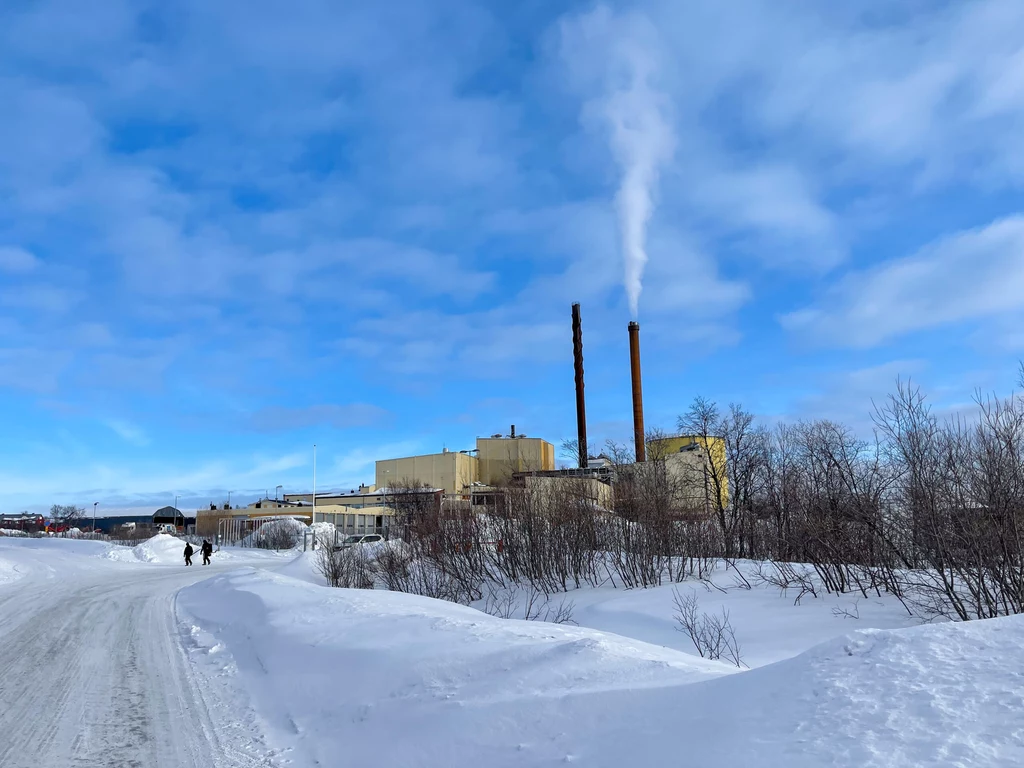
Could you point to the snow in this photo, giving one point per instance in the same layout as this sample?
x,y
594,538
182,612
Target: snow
x,y
131,658
393,679
768,625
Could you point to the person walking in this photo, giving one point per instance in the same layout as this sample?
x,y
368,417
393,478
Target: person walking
x,y
188,553
207,550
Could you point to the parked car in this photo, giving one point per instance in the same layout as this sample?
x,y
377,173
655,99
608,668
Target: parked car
x,y
358,540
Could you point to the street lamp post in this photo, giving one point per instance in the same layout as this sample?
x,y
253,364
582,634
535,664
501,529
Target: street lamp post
x,y
229,499
313,518
94,517
278,488
176,513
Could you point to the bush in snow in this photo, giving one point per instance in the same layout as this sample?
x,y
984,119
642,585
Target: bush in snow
x,y
351,568
712,635
278,534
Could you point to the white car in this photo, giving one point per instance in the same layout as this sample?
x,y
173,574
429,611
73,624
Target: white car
x,y
358,540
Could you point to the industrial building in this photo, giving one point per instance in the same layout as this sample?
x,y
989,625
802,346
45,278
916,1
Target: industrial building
x,y
695,467
494,462
695,461
451,471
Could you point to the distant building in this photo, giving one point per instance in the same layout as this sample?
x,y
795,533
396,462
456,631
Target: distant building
x,y
173,516
698,462
498,458
25,522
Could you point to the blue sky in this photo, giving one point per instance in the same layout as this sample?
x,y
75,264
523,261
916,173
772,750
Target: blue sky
x,y
230,230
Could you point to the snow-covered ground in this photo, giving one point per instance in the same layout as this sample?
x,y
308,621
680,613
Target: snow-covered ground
x,y
93,670
359,677
127,658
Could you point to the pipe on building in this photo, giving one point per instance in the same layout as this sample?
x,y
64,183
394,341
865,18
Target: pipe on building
x,y
581,407
638,397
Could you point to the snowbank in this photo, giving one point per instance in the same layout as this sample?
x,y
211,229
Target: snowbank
x,y
49,558
164,549
337,671
391,679
768,625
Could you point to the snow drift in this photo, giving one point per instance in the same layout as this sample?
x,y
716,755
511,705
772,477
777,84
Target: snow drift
x,y
393,679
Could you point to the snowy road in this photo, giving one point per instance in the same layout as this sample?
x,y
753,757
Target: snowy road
x,y
93,673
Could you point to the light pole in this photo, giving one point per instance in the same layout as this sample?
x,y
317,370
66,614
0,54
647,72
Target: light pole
x,y
313,518
278,488
176,513
387,487
94,517
229,499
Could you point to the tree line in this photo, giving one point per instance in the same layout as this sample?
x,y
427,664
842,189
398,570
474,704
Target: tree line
x,y
927,509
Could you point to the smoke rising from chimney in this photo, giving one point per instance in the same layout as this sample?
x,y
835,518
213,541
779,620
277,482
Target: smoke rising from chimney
x,y
642,141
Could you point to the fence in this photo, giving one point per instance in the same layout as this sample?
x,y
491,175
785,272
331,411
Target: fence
x,y
238,531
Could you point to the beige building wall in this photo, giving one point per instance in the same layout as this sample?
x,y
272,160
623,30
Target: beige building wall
x,y
357,500
329,498
450,471
600,494
690,472
350,520
501,457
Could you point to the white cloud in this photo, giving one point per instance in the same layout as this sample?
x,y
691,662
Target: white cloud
x,y
44,299
963,277
17,260
123,483
283,418
130,433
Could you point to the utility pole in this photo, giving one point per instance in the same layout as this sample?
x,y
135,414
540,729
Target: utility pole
x,y
312,518
94,517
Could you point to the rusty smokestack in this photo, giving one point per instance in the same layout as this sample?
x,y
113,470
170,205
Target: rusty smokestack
x,y
638,397
581,407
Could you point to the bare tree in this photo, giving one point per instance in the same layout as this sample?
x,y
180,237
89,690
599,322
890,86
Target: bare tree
x,y
570,451
66,516
733,476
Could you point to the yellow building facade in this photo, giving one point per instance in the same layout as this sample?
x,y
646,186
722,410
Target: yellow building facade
x,y
712,447
501,457
449,471
496,460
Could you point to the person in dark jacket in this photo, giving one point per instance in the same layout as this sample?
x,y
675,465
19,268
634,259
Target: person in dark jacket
x,y
207,550
188,554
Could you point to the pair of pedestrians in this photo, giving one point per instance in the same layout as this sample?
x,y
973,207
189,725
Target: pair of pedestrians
x,y
206,549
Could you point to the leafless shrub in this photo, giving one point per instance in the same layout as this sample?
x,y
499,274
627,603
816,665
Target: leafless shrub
x,y
528,604
712,635
277,534
847,613
351,568
785,576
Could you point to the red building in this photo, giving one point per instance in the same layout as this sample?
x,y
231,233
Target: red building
x,y
24,521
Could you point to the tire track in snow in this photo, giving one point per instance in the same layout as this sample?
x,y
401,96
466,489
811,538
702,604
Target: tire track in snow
x,y
93,674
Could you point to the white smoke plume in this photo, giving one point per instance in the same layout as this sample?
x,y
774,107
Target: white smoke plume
x,y
642,141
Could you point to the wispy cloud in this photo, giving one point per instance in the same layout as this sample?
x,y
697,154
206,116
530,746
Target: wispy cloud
x,y
17,260
254,221
128,432
967,276
283,418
